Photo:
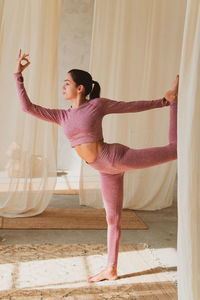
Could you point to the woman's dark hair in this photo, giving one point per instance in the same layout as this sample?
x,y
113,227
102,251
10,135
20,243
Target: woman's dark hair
x,y
84,78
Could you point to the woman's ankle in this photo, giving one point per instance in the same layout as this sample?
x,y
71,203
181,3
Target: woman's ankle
x,y
175,101
112,267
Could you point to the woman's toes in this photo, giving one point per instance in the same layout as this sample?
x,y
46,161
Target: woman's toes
x,y
94,279
104,274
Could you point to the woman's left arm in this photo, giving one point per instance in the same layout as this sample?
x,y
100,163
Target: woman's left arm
x,y
112,106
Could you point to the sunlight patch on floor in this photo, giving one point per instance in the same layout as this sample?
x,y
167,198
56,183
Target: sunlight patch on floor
x,y
136,266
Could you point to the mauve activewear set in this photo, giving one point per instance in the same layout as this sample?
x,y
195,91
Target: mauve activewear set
x,y
83,124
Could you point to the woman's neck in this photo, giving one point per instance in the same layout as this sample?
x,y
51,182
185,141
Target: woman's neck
x,y
78,101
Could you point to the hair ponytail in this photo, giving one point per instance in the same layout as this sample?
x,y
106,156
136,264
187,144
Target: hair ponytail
x,y
95,93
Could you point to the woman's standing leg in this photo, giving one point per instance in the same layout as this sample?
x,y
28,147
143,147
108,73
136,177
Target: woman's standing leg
x,y
112,192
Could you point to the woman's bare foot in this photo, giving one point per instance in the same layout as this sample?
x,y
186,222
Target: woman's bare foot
x,y
172,94
109,273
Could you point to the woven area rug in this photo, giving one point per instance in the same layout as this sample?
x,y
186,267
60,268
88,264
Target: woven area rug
x,y
67,218
58,271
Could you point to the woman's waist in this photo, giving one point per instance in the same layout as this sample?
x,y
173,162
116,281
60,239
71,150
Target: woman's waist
x,y
89,151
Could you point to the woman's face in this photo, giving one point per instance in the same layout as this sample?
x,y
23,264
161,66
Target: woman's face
x,y
70,89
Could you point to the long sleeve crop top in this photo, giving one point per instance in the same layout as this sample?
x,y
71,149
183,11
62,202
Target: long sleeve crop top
x,y
83,124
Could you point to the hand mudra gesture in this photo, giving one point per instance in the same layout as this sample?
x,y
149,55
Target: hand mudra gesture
x,y
19,66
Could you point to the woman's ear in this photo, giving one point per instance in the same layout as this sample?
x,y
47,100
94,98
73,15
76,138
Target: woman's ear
x,y
81,89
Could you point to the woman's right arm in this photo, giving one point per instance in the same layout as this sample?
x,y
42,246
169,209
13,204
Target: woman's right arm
x,y
47,114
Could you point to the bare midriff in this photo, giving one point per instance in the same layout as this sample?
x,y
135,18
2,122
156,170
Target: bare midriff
x,y
89,151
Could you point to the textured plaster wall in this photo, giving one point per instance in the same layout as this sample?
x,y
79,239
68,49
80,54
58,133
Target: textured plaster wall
x,y
74,43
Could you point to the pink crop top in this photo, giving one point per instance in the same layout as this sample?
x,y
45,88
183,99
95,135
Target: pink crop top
x,y
83,124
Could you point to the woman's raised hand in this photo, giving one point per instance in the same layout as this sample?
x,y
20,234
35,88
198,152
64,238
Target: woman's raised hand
x,y
172,94
19,66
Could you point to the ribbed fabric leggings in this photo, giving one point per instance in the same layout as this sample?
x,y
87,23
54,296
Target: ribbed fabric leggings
x,y
112,161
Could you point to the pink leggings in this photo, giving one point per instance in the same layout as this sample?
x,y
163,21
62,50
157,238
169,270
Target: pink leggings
x,y
112,161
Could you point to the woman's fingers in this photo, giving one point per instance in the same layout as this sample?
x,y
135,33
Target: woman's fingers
x,y
20,67
21,57
25,55
26,64
25,59
176,84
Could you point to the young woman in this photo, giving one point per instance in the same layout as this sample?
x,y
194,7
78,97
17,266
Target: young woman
x,y
82,124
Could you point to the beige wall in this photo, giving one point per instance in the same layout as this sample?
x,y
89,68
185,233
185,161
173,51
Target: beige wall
x,y
73,52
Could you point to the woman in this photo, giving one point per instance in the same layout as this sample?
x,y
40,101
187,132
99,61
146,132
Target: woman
x,y
82,124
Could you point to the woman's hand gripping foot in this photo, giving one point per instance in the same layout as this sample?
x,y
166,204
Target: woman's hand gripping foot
x,y
109,273
172,94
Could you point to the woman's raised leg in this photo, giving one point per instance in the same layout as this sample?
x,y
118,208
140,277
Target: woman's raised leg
x,y
112,192
144,158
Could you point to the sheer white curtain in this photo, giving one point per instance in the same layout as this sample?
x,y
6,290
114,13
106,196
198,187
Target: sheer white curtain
x,y
189,159
135,55
28,145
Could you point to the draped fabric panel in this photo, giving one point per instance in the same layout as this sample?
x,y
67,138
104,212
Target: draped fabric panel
x,y
135,55
189,159
28,147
